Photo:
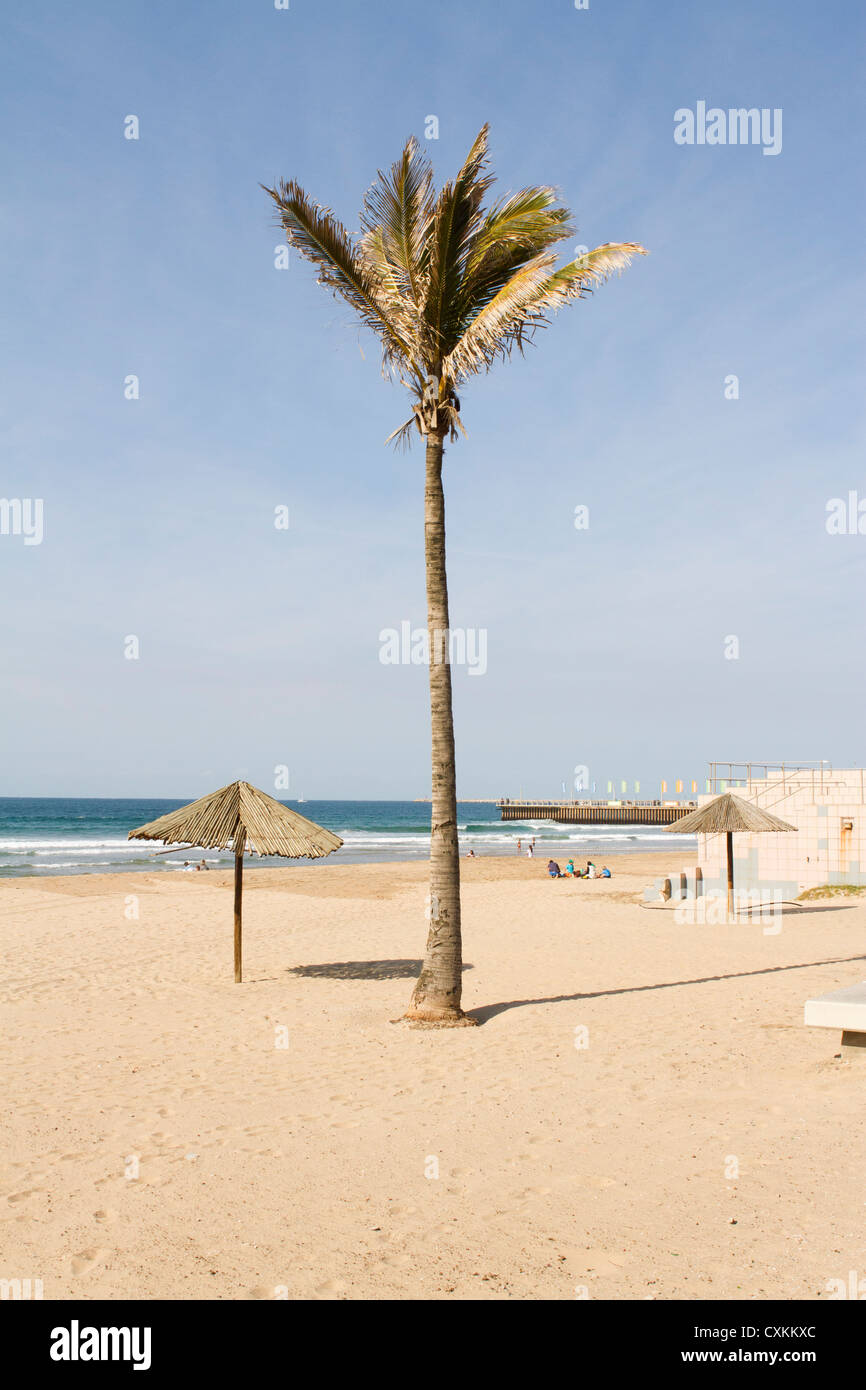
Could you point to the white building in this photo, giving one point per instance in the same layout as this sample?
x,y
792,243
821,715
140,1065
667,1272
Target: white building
x,y
828,808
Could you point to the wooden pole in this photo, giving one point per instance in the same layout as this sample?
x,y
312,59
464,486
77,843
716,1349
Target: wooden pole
x,y
730,839
239,888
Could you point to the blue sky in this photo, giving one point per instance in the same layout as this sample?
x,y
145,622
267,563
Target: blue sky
x,y
259,647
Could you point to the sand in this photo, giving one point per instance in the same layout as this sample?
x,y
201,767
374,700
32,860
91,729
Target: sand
x,y
703,1144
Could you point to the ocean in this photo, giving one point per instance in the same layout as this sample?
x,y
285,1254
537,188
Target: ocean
x,y
87,835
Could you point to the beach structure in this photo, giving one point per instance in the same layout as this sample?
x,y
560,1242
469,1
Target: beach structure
x,y
595,812
828,807
844,1010
246,820
728,815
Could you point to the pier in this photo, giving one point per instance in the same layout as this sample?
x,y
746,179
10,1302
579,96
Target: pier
x,y
596,812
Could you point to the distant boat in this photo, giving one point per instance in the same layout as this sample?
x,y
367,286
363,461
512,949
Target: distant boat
x,y
301,799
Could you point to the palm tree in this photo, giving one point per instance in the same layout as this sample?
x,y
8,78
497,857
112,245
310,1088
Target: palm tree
x,y
448,287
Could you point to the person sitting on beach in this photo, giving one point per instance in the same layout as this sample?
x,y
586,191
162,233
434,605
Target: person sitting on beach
x,y
471,854
591,871
605,873
569,869
188,868
553,869
204,866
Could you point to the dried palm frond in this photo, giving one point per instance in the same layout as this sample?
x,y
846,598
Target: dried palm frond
x,y
402,436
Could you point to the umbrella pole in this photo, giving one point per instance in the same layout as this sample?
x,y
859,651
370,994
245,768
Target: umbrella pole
x,y
730,839
239,888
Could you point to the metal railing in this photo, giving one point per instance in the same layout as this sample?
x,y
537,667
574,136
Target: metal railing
x,y
726,775
789,778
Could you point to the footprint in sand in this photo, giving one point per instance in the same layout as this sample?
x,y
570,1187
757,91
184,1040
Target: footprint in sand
x,y
331,1289
86,1260
106,1215
22,1196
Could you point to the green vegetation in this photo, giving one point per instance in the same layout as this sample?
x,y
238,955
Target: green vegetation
x,y
831,890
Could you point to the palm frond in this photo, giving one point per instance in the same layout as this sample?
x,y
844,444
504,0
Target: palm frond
x,y
597,266
519,227
447,285
527,300
457,220
528,220
503,323
449,413
395,223
323,240
402,435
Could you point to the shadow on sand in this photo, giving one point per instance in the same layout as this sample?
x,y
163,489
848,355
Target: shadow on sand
x,y
489,1011
363,970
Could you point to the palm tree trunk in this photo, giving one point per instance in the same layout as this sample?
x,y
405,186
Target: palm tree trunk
x,y
436,997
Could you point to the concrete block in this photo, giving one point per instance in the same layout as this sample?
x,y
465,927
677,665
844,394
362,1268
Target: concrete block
x,y
842,1008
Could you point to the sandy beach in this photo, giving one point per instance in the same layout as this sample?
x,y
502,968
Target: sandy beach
x,y
642,1113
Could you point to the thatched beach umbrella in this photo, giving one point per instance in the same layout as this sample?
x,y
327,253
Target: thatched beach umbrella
x,y
241,817
726,815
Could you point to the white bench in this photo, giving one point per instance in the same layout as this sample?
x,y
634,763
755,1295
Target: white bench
x,y
844,1009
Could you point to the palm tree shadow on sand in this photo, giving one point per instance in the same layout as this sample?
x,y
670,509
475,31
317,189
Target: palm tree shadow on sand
x,y
362,970
488,1011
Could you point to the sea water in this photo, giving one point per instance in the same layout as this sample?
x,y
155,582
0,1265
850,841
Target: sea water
x,y
88,835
